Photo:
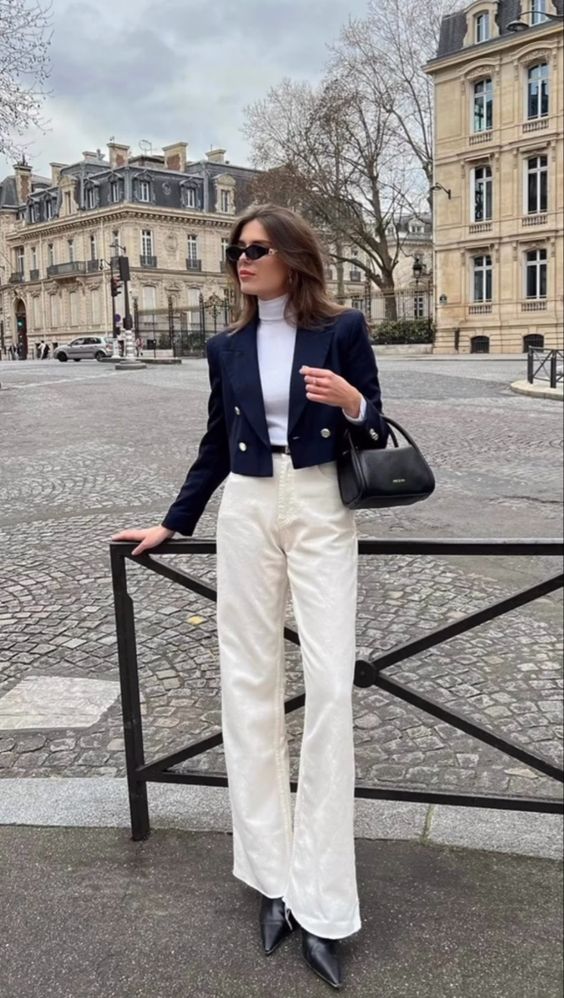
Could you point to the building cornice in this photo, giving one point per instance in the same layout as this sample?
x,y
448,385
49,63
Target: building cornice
x,y
79,222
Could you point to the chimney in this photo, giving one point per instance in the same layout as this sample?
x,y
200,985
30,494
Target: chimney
x,y
23,180
56,173
90,157
216,156
175,156
117,154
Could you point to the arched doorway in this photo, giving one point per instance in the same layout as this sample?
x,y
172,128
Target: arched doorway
x,y
480,344
21,329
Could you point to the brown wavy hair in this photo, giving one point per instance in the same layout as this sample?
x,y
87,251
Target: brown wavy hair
x,y
309,303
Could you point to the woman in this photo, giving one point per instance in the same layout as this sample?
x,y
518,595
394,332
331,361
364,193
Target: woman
x,y
286,380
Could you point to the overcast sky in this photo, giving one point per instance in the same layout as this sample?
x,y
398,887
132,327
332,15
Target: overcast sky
x,y
174,70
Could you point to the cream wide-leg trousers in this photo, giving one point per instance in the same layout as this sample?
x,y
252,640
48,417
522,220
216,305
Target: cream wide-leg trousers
x,y
290,530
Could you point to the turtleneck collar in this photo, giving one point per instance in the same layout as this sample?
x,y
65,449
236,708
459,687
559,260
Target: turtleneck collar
x,y
272,310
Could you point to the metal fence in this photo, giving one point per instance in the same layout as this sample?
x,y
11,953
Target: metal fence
x,y
367,673
404,317
545,365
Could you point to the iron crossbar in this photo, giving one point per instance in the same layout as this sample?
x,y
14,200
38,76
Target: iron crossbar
x,y
367,673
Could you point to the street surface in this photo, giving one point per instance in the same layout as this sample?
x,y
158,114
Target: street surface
x,y
85,451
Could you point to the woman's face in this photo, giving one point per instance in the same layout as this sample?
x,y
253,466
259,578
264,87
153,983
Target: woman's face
x,y
266,277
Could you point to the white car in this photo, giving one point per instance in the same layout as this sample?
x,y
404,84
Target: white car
x,y
85,348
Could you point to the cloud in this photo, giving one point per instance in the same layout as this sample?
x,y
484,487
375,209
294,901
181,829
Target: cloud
x,y
176,70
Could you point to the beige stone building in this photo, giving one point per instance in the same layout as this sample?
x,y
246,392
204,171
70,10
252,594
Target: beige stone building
x,y
59,234
499,174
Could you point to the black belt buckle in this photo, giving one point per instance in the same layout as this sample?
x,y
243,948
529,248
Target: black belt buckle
x,y
280,449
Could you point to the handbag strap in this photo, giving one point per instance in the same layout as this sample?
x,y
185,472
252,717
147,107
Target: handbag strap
x,y
390,423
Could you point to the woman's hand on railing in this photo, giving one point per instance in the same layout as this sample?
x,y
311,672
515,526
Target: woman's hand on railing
x,y
149,538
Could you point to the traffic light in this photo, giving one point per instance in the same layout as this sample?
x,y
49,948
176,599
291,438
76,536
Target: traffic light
x,y
116,286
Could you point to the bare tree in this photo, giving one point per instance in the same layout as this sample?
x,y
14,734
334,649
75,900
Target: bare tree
x,y
328,151
24,69
385,53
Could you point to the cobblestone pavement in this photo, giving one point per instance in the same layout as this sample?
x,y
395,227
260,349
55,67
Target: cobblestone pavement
x,y
85,451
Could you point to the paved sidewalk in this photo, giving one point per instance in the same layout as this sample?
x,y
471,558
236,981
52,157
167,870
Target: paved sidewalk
x,y
94,915
538,390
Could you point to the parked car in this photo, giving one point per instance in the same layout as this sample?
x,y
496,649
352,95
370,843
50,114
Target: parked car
x,y
85,348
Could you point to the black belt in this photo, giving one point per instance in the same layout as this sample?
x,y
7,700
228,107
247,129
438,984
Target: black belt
x,y
280,448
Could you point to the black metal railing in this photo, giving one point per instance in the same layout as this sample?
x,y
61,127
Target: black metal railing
x,y
367,673
545,365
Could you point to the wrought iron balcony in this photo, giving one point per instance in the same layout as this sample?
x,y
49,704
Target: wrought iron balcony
x,y
148,261
355,276
93,265
68,269
192,264
34,275
17,277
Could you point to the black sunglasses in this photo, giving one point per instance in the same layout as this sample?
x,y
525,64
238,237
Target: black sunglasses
x,y
253,251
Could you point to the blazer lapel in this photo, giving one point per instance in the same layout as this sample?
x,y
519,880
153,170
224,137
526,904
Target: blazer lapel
x,y
312,346
241,360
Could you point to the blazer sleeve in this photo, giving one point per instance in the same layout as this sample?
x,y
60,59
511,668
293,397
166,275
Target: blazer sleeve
x,y
212,464
360,369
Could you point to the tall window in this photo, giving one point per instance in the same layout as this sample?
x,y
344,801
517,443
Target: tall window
x,y
95,306
90,197
224,245
70,244
483,105
149,297
482,25
191,197
482,193
20,266
93,247
114,191
54,310
144,190
146,243
535,273
73,308
224,201
114,247
34,257
482,278
537,91
536,199
192,248
538,9
50,255
48,208
418,305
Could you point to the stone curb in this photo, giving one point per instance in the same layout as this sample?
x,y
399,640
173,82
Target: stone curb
x,y
101,802
535,391
162,360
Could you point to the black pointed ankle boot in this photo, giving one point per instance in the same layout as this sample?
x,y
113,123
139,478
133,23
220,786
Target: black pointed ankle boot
x,y
323,957
276,922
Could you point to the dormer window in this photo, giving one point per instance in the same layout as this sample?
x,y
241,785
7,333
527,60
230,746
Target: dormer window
x,y
191,197
224,201
482,27
48,208
114,191
90,198
144,190
538,11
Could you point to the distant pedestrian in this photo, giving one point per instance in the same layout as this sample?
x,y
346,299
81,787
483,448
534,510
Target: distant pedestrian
x,y
139,346
44,351
38,349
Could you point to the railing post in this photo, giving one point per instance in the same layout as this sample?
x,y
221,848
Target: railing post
x,y
530,376
553,368
130,704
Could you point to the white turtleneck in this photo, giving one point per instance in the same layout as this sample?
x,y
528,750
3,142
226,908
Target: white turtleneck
x,y
276,340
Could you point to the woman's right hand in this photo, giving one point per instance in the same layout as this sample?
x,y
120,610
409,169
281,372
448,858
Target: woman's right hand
x,y
149,538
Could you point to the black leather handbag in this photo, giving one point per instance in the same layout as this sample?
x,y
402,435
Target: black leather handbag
x,y
387,476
